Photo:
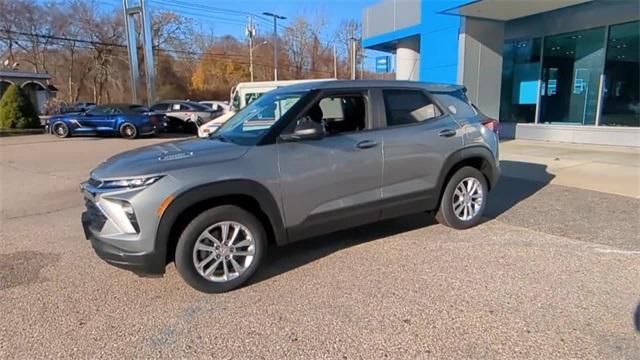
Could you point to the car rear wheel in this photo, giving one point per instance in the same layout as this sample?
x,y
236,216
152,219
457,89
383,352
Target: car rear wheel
x,y
128,131
464,199
61,130
220,249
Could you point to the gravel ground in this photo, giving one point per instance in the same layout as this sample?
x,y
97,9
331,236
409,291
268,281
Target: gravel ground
x,y
553,272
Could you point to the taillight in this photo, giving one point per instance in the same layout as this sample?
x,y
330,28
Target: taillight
x,y
491,124
153,120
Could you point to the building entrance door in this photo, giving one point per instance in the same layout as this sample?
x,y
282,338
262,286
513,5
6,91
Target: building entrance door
x,y
572,66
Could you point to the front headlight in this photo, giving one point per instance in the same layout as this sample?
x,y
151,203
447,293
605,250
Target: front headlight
x,y
210,129
129,183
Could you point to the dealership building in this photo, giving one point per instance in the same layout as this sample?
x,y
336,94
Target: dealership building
x,y
560,70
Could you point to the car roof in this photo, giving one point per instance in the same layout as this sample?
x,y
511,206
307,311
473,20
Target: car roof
x,y
351,84
176,102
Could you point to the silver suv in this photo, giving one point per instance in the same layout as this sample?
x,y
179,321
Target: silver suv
x,y
300,161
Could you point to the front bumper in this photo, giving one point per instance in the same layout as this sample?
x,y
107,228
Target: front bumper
x,y
124,241
144,263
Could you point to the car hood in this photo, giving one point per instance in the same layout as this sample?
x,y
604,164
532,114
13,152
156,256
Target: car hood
x,y
161,158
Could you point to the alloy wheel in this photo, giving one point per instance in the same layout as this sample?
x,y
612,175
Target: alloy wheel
x,y
128,131
60,130
223,251
467,198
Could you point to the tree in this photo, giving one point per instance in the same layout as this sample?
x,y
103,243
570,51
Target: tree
x,y
346,30
217,71
17,111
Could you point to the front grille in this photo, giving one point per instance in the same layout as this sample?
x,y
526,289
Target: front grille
x,y
94,216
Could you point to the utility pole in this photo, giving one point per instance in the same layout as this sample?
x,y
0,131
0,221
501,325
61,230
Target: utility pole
x,y
335,62
362,66
251,32
275,41
353,58
352,55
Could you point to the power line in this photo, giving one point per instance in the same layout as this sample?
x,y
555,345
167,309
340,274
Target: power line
x,y
180,53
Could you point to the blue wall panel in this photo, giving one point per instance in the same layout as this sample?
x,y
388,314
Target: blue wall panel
x,y
438,41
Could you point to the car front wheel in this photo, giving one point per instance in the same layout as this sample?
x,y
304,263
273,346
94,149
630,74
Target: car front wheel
x,y
464,199
220,249
61,130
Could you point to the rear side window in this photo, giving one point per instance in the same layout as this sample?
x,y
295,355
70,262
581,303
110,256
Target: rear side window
x,y
457,103
180,107
159,107
408,107
197,106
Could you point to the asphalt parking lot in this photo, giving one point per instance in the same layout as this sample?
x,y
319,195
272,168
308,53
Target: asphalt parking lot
x,y
553,272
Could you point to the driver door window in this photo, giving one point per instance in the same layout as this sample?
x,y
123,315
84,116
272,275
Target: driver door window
x,y
338,114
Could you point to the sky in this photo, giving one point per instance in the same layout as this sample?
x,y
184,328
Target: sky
x,y
334,10
234,24
231,16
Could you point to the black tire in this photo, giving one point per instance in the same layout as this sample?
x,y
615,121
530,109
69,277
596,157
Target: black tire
x,y
128,131
191,128
446,215
184,257
60,130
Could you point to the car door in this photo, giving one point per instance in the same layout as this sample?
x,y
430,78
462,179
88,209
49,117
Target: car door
x,y
418,138
334,182
181,111
111,118
95,118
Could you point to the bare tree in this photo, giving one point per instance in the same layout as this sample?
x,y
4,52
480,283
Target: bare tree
x,y
30,27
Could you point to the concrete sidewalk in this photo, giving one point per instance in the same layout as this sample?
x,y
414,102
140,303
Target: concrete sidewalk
x,y
608,169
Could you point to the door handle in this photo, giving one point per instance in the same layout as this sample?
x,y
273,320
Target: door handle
x,y
366,144
447,133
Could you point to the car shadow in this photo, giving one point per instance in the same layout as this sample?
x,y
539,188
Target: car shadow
x,y
519,181
173,135
279,260
509,191
636,319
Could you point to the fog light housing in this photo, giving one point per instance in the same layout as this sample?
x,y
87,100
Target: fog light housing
x,y
131,215
121,214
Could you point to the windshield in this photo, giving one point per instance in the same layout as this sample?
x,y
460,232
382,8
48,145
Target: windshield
x,y
138,108
249,125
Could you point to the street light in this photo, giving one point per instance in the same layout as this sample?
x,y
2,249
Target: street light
x,y
275,41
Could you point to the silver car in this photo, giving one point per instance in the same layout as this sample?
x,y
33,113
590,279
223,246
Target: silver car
x,y
185,116
300,161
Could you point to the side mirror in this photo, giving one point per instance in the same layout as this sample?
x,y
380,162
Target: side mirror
x,y
313,131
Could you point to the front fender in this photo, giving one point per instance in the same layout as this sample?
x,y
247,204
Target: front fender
x,y
198,194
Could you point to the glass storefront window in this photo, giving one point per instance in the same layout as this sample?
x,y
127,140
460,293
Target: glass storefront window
x,y
621,103
571,68
520,78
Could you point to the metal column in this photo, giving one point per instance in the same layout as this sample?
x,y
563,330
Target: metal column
x,y
131,10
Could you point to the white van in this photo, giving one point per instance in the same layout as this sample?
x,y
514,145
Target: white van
x,y
243,94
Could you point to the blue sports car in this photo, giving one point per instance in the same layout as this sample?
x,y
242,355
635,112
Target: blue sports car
x,y
126,120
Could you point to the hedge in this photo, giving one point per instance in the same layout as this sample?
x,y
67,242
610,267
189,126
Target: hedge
x,y
17,111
